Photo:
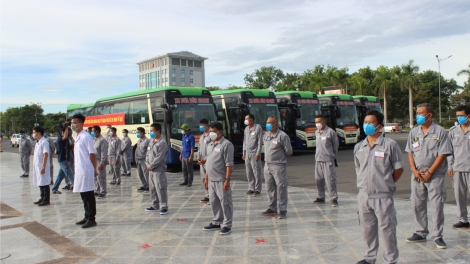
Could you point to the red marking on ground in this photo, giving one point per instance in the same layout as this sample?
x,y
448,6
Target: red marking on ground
x,y
203,202
272,215
261,241
467,227
180,220
145,246
24,195
355,211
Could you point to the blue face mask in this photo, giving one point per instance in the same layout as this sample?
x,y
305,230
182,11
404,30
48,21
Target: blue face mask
x,y
153,134
269,127
202,128
462,120
93,134
420,119
369,129
21,136
139,135
44,134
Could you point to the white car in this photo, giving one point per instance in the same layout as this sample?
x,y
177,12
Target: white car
x,y
393,128
15,140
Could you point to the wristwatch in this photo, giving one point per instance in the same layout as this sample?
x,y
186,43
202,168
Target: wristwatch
x,y
43,168
227,179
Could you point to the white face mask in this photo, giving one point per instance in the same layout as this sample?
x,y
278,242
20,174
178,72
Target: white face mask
x,y
124,134
108,129
73,127
213,135
319,126
34,136
247,122
110,133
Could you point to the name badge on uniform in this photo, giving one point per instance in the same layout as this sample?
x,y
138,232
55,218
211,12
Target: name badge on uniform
x,y
468,137
252,133
323,138
148,148
143,146
360,150
205,141
379,154
217,150
416,144
275,142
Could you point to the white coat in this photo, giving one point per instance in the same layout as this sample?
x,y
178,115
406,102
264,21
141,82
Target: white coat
x,y
84,179
40,149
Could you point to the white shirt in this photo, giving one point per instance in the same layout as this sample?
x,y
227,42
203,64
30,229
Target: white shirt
x,y
40,149
84,180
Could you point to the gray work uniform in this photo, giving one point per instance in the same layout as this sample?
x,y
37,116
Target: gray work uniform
x,y
101,150
156,161
459,162
114,151
126,144
374,168
276,150
140,154
25,150
252,146
219,157
71,159
325,155
51,154
204,140
425,150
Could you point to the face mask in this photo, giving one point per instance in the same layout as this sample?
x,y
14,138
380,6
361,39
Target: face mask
x,y
21,136
247,122
269,127
44,134
369,129
73,127
462,120
319,126
213,135
108,129
93,134
202,128
182,131
34,136
421,119
153,134
110,133
124,134
139,135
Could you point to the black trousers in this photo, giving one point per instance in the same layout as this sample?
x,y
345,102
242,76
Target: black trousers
x,y
89,203
45,193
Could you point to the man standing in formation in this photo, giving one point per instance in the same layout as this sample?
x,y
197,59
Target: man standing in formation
x,y
252,146
156,165
51,153
140,155
186,156
277,148
126,153
41,169
219,167
114,156
428,147
25,151
459,163
101,151
64,159
325,154
204,140
379,164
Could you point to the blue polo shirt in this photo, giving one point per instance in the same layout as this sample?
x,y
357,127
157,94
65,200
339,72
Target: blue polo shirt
x,y
189,142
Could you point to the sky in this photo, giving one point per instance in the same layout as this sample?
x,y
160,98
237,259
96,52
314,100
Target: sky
x,y
77,51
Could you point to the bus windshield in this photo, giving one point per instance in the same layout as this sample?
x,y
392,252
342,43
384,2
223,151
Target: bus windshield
x,y
262,111
374,106
308,113
191,114
348,115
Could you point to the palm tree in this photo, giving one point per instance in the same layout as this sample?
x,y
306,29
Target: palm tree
x,y
465,72
409,78
383,82
341,77
358,83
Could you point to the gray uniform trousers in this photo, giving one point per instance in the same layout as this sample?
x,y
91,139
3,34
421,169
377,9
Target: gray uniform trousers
x,y
187,169
253,172
100,181
325,173
202,170
115,169
436,190
460,181
126,163
375,214
143,173
71,163
25,164
158,189
221,204
52,170
276,184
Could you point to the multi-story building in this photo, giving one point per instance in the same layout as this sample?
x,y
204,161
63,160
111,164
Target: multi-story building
x,y
180,69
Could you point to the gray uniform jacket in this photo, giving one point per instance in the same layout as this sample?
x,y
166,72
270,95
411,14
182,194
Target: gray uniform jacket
x,y
219,157
253,140
51,147
327,145
156,155
114,147
141,151
101,149
204,140
25,147
374,166
277,148
459,160
126,144
426,148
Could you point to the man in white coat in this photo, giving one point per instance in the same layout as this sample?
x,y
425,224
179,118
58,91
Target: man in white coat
x,y
42,166
85,170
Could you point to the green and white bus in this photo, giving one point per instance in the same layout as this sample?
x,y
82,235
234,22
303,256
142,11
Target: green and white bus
x,y
298,110
78,108
341,115
364,104
169,106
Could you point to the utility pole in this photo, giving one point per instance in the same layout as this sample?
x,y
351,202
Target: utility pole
x,y
37,108
439,69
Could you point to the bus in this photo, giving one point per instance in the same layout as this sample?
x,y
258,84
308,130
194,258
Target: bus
x,y
364,104
298,110
169,106
83,109
238,103
340,113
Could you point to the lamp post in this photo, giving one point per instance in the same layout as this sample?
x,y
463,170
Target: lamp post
x,y
439,68
37,106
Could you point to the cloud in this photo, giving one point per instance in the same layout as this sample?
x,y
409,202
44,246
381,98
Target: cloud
x,y
109,83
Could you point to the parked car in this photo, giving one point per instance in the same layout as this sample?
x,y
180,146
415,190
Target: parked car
x,y
15,140
393,128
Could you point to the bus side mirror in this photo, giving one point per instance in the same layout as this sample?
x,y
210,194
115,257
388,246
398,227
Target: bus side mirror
x,y
169,116
338,113
220,114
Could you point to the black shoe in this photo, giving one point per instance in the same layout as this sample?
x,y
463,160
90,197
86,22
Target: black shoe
x,y
184,183
440,243
211,227
461,225
112,182
363,262
250,192
67,187
101,196
81,222
96,194
123,174
151,209
44,203
269,212
189,184
164,211
89,224
38,202
256,194
415,238
318,201
225,231
147,190
204,200
141,189
118,184
24,176
334,203
282,215
129,174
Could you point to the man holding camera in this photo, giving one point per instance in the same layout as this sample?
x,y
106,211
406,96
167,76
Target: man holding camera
x,y
64,159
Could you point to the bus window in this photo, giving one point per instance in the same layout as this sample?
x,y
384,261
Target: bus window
x,y
191,114
122,108
139,112
104,110
159,117
235,117
218,103
156,102
326,113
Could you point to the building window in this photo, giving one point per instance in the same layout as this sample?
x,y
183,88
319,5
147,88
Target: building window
x,y
191,81
166,71
166,79
173,79
190,63
182,80
183,62
191,72
175,61
182,71
197,64
173,71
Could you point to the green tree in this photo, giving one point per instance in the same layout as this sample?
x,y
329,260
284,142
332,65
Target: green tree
x,y
367,73
264,78
341,78
409,79
358,83
212,88
465,72
383,82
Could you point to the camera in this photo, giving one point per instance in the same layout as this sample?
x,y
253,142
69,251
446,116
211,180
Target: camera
x,y
63,124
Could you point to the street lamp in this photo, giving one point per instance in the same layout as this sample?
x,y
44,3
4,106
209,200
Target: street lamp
x,y
37,106
439,68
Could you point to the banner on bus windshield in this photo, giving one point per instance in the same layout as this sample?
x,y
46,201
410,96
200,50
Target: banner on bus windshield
x,y
191,100
310,129
344,103
372,104
261,101
307,101
103,120
350,128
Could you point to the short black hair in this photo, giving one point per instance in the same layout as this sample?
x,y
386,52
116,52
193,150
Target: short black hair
x,y
157,127
89,128
113,129
108,125
97,128
463,108
251,116
141,129
21,131
127,131
216,125
320,116
204,121
80,117
378,115
429,107
39,129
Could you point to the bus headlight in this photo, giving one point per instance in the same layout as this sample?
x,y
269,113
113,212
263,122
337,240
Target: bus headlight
x,y
351,135
300,136
340,134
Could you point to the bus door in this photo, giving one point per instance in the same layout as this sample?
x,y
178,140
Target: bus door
x,y
289,115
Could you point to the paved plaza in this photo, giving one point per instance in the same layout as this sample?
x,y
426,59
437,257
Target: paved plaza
x,y
127,234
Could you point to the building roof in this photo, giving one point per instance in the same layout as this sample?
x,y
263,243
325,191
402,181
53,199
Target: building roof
x,y
179,54
256,92
341,96
302,94
369,98
187,91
